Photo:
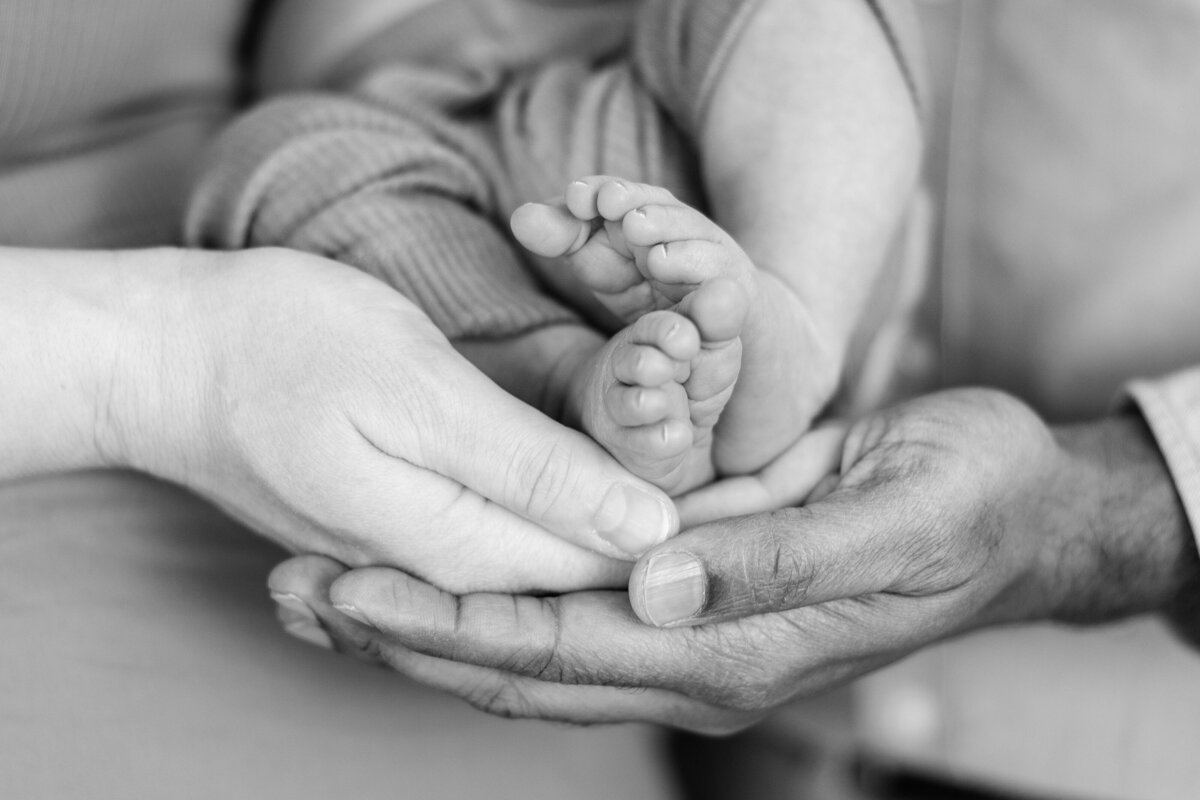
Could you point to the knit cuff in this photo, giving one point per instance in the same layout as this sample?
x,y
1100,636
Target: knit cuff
x,y
361,185
456,266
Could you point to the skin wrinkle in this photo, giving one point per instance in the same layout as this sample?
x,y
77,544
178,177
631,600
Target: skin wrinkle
x,y
551,669
743,679
541,488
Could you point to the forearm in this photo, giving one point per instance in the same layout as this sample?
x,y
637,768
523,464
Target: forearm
x,y
1123,544
82,355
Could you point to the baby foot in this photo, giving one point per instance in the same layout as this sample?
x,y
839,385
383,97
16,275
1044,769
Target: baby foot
x,y
638,249
631,396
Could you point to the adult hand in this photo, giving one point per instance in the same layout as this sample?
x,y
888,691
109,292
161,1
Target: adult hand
x,y
953,512
325,411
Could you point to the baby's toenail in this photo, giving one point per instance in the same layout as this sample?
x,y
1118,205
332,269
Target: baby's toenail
x,y
641,212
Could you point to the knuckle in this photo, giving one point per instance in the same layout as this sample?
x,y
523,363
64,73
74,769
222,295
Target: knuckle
x,y
543,655
540,481
501,697
782,570
520,639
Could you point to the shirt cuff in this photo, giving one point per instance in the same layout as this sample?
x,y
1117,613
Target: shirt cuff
x,y
1171,407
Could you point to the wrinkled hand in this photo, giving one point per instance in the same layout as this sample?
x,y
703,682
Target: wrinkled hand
x,y
322,409
952,512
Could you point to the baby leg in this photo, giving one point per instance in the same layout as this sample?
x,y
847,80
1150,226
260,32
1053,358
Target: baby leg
x,y
809,145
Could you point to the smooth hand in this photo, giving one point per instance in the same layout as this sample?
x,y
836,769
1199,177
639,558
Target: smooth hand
x,y
953,512
323,410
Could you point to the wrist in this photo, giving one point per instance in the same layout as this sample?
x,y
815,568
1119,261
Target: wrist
x,y
154,397
1123,545
79,339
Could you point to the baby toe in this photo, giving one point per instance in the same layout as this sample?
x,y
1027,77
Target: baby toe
x,y
643,365
637,406
549,230
649,224
616,198
672,333
659,441
718,310
686,263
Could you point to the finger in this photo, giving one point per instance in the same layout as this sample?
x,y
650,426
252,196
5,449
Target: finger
x,y
610,197
588,638
512,696
485,439
787,481
300,589
454,538
592,639
852,543
301,586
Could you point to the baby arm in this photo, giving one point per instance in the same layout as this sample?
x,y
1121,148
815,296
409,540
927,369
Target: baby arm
x,y
331,43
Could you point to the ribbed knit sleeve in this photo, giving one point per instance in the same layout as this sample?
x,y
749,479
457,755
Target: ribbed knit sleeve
x,y
380,181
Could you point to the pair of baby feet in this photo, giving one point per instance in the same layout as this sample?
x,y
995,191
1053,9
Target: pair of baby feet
x,y
699,319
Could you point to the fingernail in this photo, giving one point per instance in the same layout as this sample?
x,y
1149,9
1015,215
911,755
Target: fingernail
x,y
674,588
309,632
353,613
632,520
294,603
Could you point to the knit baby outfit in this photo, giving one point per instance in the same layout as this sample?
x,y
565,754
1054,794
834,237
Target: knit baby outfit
x,y
413,175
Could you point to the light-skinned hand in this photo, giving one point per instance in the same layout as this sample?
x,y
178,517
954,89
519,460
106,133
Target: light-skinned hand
x,y
323,410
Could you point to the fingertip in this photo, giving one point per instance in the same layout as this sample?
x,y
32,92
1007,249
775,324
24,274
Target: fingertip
x,y
634,518
669,589
368,594
304,576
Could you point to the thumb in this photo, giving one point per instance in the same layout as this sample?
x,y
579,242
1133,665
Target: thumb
x,y
517,457
848,545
